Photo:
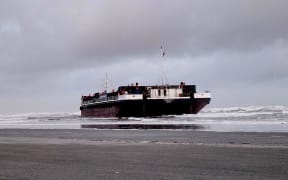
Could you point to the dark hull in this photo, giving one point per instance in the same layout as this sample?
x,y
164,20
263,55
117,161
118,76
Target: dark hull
x,y
142,108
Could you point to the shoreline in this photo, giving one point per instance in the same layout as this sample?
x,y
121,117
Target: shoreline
x,y
148,136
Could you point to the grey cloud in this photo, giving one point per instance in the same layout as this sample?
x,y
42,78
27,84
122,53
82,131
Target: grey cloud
x,y
188,27
215,43
106,30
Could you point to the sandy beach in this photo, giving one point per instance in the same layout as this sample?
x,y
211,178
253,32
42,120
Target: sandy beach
x,y
141,154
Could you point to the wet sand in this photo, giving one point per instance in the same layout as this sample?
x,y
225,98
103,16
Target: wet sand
x,y
141,154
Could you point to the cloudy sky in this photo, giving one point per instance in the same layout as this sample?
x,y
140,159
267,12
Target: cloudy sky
x,y
52,52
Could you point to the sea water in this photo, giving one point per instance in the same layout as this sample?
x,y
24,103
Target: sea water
x,y
233,119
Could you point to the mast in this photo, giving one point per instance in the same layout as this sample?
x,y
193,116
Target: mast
x,y
106,83
163,77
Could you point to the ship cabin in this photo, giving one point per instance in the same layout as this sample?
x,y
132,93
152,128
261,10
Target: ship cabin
x,y
142,92
157,92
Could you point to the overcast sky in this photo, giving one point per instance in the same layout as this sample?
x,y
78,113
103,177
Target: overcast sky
x,y
52,52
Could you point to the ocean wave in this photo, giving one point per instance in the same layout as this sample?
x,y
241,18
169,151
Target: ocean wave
x,y
39,115
243,113
251,118
247,109
252,112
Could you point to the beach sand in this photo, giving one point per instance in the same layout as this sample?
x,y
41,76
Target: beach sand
x,y
141,154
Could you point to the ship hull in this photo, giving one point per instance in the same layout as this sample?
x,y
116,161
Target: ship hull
x,y
144,108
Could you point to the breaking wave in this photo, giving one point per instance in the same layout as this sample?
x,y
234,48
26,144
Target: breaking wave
x,y
256,112
39,115
248,109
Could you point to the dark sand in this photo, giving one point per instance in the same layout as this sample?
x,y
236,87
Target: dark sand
x,y
141,154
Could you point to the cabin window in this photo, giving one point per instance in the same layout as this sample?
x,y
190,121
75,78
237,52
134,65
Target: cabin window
x,y
165,92
159,92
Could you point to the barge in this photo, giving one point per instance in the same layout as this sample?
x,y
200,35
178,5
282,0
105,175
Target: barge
x,y
143,101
